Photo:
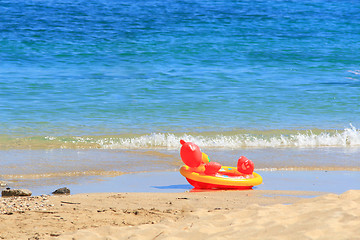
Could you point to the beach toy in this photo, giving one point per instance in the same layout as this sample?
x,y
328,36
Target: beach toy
x,y
205,158
203,174
212,168
245,165
190,154
225,178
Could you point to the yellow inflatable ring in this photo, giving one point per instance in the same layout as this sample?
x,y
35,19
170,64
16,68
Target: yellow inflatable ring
x,y
226,178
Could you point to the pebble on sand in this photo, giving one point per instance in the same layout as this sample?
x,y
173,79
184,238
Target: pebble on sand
x,y
15,192
63,190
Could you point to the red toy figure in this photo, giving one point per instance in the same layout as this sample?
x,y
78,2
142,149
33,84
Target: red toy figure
x,y
190,154
212,168
245,166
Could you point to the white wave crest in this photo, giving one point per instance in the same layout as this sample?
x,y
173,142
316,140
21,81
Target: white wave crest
x,y
349,137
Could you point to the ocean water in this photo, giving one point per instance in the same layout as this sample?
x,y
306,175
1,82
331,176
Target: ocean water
x,y
110,87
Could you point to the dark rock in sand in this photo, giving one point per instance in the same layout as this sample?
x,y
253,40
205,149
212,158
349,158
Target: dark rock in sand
x,y
63,190
15,192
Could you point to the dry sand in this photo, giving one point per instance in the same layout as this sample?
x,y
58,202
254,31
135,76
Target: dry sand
x,y
190,215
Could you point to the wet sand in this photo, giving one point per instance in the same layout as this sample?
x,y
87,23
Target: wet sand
x,y
172,181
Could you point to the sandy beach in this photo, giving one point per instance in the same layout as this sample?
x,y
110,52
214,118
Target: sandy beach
x,y
254,214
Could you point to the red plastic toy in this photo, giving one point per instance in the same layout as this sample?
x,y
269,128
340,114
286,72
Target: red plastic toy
x,y
245,165
202,174
190,154
212,168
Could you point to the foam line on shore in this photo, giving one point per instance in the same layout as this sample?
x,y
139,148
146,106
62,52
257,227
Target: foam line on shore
x,y
348,138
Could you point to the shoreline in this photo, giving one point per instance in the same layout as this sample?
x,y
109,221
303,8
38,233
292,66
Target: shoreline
x,y
325,181
188,215
163,205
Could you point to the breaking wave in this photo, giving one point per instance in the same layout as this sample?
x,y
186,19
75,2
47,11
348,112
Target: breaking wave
x,y
349,137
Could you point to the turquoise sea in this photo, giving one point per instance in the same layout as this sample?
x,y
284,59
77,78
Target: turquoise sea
x,y
102,88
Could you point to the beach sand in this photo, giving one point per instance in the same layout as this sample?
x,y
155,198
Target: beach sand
x,y
253,214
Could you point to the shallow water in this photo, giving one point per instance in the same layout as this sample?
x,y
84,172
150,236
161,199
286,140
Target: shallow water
x,y
67,162
41,168
315,181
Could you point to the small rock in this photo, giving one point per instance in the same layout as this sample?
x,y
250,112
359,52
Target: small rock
x,y
3,184
63,190
55,234
15,192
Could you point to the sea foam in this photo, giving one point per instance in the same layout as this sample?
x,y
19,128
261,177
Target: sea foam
x,y
283,138
349,137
